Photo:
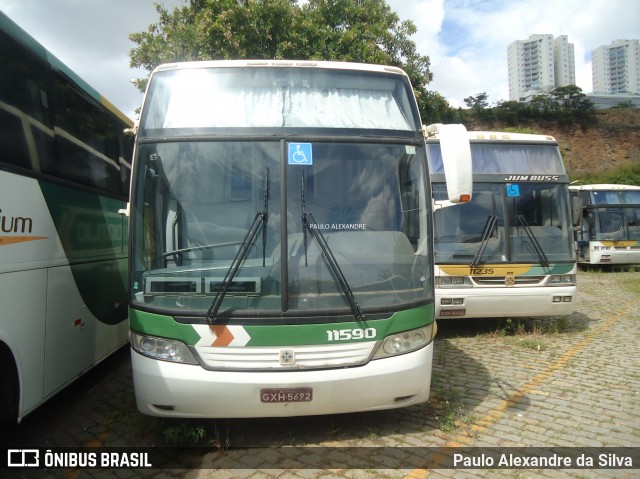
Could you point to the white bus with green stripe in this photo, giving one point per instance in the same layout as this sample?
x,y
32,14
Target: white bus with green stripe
x,y
609,230
509,252
64,174
281,240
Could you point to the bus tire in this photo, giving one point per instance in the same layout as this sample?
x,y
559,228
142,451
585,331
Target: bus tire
x,y
9,387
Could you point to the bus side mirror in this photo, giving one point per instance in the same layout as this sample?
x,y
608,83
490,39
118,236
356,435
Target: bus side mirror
x,y
456,159
576,210
124,211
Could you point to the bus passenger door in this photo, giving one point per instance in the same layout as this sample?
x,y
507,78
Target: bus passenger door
x,y
70,331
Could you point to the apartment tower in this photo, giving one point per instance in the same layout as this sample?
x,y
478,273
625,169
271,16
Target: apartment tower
x,y
539,64
616,68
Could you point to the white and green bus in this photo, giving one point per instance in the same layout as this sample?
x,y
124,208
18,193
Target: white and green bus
x,y
509,252
609,230
281,240
64,174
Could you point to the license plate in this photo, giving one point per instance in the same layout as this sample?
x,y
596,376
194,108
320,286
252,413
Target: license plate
x,y
280,395
452,312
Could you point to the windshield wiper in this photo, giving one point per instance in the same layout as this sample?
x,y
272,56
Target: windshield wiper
x,y
544,261
489,226
260,220
487,231
334,267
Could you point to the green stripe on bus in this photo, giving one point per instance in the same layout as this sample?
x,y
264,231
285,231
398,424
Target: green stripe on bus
x,y
296,335
161,325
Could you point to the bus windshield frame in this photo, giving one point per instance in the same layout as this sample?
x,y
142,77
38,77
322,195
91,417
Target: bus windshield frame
x,y
221,198
519,212
530,225
613,215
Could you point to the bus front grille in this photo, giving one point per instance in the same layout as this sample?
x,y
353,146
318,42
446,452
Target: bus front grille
x,y
285,357
512,281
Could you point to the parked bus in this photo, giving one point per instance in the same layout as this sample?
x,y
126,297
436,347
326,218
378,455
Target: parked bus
x,y
509,252
64,174
281,241
609,230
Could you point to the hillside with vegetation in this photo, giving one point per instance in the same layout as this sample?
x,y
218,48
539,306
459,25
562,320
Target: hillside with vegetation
x,y
605,152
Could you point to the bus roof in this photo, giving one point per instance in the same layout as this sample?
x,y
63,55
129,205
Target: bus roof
x,y
329,65
604,186
509,136
497,136
27,41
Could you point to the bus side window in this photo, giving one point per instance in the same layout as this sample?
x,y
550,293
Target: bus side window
x,y
24,114
87,149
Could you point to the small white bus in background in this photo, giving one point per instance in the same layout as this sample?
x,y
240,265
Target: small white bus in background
x,y
64,174
509,251
281,240
609,230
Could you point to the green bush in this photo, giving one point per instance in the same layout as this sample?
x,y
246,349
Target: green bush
x,y
625,174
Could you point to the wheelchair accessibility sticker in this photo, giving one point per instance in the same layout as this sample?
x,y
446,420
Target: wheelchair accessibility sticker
x,y
300,154
513,190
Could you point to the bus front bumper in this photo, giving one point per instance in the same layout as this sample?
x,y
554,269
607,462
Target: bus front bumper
x,y
182,390
505,302
615,256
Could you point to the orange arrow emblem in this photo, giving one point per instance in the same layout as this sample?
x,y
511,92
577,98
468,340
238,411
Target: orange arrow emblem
x,y
223,335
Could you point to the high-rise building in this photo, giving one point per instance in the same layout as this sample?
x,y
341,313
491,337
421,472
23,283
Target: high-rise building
x,y
538,64
616,68
564,62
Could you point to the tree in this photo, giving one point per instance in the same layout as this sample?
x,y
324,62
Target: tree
x,y
623,104
573,104
543,106
479,105
510,112
434,108
365,31
478,102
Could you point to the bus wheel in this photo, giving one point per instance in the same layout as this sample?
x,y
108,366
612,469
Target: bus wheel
x,y
8,387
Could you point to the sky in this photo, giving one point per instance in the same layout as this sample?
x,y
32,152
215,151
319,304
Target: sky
x,y
466,40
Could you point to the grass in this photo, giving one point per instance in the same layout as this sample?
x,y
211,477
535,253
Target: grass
x,y
192,433
449,413
527,329
610,268
184,433
447,419
534,344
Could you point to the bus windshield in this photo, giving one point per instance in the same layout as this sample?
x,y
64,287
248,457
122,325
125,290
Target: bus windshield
x,y
275,97
616,197
199,200
614,224
609,230
617,216
505,223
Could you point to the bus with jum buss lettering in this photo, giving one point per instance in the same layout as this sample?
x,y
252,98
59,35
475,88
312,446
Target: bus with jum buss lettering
x,y
281,240
509,251
64,174
609,230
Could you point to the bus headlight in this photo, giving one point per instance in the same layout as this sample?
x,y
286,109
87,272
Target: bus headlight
x,y
405,342
162,349
562,279
453,282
